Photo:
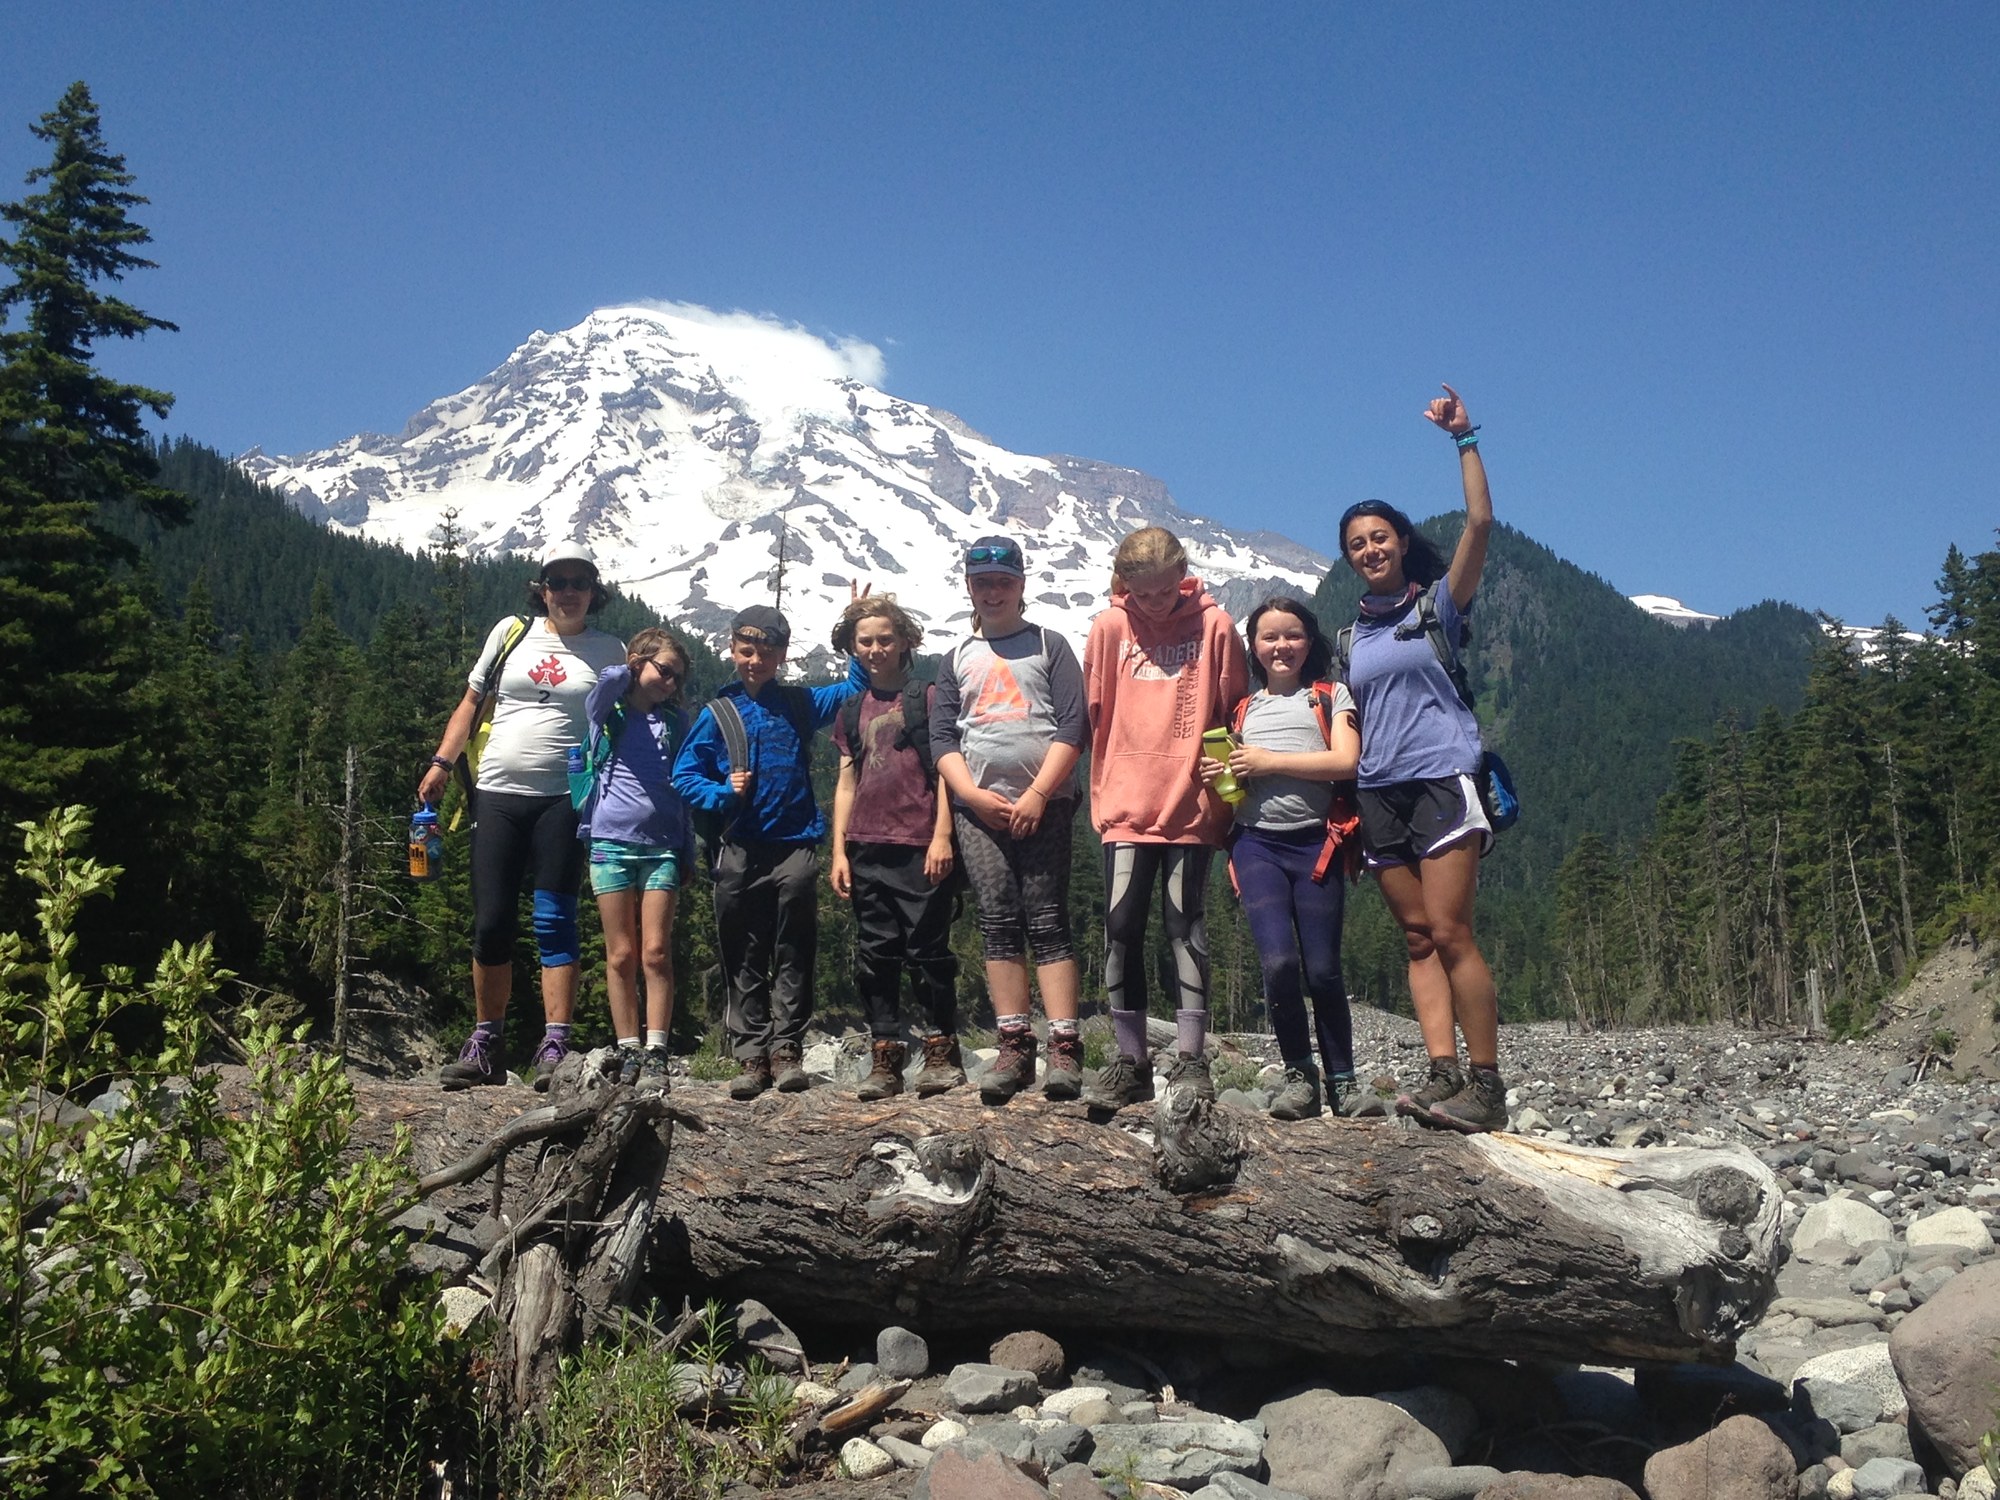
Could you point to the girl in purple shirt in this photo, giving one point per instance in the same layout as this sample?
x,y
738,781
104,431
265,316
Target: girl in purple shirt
x,y
1421,819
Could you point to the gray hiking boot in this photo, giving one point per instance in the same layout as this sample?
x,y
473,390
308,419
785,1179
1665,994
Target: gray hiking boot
x,y
653,1071
789,1069
1063,1078
624,1065
1443,1081
1013,1070
753,1080
944,1066
1122,1081
1478,1107
885,1072
480,1061
548,1057
1190,1070
1298,1095
1351,1101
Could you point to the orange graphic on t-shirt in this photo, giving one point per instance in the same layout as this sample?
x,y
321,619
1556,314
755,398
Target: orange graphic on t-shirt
x,y
1000,697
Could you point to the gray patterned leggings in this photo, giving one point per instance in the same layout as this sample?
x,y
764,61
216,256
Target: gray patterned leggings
x,y
1129,873
1022,885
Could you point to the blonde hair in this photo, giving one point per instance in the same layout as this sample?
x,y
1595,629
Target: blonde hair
x,y
1149,550
877,607
649,643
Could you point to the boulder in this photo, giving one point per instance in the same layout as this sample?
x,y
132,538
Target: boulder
x,y
1848,1407
1228,1486
953,1475
1186,1455
907,1454
1451,1417
1742,1459
1062,1403
760,1331
1885,1478
861,1459
1865,1365
901,1354
1959,1228
1096,1412
1977,1484
1883,1440
1525,1486
1460,1482
1329,1447
1838,1231
1947,1355
1076,1482
1037,1353
942,1433
976,1387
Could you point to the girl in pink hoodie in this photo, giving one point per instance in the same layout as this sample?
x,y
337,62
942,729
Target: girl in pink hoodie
x,y
1164,664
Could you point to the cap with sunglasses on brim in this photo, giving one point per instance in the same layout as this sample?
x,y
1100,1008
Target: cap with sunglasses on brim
x,y
995,554
761,625
573,552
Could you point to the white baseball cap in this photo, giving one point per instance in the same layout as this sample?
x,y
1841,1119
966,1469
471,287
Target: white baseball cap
x,y
558,552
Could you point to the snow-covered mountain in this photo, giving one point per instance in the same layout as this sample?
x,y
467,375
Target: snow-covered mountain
x,y
695,450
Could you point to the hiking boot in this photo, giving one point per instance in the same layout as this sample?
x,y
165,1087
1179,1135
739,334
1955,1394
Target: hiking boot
x,y
790,1071
1063,1077
753,1080
1013,1070
1122,1081
1298,1095
944,1066
625,1063
885,1076
1478,1107
653,1071
1190,1070
479,1062
548,1057
1349,1100
1444,1081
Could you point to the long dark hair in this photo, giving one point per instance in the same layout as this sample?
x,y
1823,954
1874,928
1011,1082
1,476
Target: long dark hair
x,y
1423,564
1319,651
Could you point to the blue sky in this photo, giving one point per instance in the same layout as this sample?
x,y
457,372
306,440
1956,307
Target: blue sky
x,y
1718,280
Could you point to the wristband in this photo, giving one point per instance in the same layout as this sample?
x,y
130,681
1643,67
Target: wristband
x,y
441,763
1466,439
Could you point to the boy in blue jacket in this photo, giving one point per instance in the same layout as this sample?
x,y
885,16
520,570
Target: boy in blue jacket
x,y
766,872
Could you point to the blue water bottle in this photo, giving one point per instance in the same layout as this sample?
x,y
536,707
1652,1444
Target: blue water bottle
x,y
579,777
426,844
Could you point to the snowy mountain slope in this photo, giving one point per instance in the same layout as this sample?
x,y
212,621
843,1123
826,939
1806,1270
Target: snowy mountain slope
x,y
693,449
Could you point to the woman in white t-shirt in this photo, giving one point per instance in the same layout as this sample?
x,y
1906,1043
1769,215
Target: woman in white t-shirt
x,y
1298,738
522,819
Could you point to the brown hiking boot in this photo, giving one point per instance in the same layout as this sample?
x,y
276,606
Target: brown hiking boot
x,y
1063,1078
753,1080
885,1077
1478,1107
1444,1081
944,1066
1013,1070
1122,1081
790,1070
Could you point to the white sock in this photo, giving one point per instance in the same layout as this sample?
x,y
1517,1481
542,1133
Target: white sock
x,y
655,1038
629,1041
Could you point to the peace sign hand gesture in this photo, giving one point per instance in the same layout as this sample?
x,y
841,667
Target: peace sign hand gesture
x,y
1448,412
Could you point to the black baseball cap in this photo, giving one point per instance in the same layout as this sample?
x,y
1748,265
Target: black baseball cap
x,y
761,625
995,554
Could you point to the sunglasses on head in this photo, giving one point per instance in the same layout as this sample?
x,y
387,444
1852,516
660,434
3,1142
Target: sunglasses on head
x,y
993,555
568,583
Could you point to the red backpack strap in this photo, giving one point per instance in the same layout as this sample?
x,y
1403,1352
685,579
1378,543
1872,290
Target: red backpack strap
x,y
1322,702
1238,714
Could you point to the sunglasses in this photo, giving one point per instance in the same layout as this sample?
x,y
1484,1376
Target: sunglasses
x,y
666,671
569,583
993,555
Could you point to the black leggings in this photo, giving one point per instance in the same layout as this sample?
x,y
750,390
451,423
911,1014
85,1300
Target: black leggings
x,y
514,837
1129,873
1022,885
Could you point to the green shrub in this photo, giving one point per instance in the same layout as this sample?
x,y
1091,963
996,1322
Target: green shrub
x,y
197,1298
712,1062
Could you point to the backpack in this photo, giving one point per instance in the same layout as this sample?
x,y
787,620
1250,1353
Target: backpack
x,y
914,735
1497,796
796,704
1343,820
467,768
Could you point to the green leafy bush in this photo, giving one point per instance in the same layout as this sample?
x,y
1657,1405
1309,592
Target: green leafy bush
x,y
197,1296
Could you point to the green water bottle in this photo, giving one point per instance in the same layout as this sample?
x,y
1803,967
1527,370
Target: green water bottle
x,y
1216,745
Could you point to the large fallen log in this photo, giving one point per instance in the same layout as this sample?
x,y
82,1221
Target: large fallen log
x,y
1198,1220
1337,1235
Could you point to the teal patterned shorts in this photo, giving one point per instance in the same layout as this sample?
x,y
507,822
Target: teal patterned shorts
x,y
618,866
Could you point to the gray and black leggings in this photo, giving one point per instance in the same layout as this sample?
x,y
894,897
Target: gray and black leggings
x,y
1022,885
1129,873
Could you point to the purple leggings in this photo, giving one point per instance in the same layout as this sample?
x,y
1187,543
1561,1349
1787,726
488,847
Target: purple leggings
x,y
1296,927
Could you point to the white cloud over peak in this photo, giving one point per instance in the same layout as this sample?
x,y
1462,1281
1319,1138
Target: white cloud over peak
x,y
759,339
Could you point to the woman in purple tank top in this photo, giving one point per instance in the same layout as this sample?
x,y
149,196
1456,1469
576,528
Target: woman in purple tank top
x,y
1422,823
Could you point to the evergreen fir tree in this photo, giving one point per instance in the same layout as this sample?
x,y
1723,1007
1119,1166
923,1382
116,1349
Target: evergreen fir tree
x,y
72,631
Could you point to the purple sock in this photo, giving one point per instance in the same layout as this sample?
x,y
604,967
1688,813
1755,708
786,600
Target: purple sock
x,y
491,1029
559,1030
1192,1029
1129,1027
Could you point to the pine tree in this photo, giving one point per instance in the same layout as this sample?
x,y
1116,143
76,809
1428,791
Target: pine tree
x,y
72,631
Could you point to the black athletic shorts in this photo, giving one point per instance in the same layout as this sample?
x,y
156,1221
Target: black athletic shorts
x,y
1410,820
